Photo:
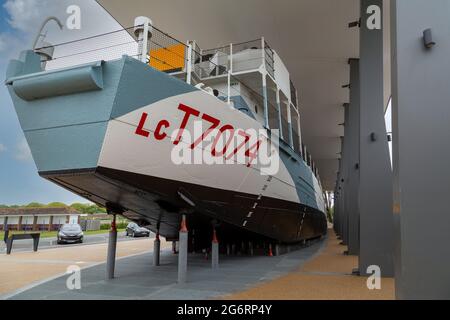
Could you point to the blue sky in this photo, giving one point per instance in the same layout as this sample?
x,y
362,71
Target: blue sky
x,y
19,20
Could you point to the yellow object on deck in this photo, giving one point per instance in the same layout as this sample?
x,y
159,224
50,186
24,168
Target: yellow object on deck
x,y
168,59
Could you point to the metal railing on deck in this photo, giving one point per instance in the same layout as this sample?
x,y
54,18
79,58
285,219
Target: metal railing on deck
x,y
165,53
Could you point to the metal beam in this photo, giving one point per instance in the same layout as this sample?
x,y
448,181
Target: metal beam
x,y
375,190
421,151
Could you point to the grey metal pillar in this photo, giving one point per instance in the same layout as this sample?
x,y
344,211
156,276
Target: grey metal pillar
x,y
214,251
375,189
156,249
421,148
352,160
344,173
336,212
183,251
341,188
112,244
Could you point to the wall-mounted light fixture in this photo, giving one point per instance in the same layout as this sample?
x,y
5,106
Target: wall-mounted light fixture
x,y
355,24
428,39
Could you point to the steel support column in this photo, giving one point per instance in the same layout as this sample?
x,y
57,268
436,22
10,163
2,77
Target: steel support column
x,y
352,160
375,190
214,251
346,156
336,216
112,244
341,188
183,251
421,148
156,249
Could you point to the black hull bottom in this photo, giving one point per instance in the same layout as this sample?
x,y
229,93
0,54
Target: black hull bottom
x,y
158,203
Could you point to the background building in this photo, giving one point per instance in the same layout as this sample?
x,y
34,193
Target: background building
x,y
37,219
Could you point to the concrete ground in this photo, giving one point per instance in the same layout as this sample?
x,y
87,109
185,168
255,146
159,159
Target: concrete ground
x,y
320,271
136,278
325,277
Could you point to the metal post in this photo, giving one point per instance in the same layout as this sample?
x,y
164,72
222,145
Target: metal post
x,y
352,161
189,64
111,258
263,51
291,136
341,189
143,31
183,251
375,190
229,88
266,103
250,248
421,153
277,250
156,249
215,251
280,120
231,58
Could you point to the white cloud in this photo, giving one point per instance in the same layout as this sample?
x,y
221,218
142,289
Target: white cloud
x,y
2,148
26,15
23,152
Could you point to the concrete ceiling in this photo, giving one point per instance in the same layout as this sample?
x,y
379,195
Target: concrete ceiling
x,y
311,36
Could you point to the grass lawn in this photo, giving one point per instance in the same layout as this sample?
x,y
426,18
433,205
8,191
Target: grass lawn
x,y
50,234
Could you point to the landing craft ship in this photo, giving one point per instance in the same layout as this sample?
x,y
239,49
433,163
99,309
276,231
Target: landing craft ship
x,y
103,129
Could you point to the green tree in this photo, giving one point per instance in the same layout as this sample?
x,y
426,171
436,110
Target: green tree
x,y
56,205
35,205
87,208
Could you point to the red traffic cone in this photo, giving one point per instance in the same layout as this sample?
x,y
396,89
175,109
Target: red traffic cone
x,y
270,250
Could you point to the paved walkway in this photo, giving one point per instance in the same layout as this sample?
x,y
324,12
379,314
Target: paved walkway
x,y
325,277
136,278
